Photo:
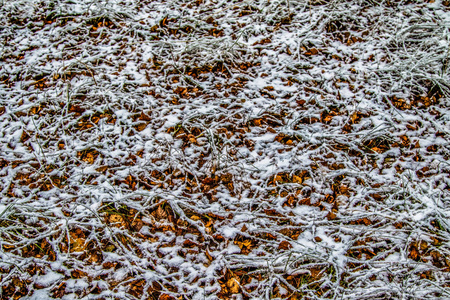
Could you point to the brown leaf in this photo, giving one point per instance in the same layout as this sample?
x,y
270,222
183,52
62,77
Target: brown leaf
x,y
78,245
59,291
219,237
315,273
312,51
114,218
208,181
284,245
414,254
78,274
163,22
405,140
189,244
161,213
263,41
166,297
226,178
141,126
432,148
331,216
290,201
208,255
354,117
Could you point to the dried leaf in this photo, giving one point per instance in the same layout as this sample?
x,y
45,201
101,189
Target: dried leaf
x,y
78,245
331,216
166,297
312,51
161,213
297,179
114,218
284,245
278,179
233,285
246,244
195,218
208,255
414,254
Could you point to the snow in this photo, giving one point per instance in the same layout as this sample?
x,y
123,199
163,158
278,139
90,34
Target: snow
x,y
233,249
374,177
229,232
49,278
39,295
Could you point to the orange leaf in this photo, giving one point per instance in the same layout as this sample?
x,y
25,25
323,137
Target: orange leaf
x,y
414,253
297,179
312,51
78,245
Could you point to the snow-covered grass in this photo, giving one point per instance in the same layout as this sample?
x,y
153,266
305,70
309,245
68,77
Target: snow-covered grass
x,y
224,149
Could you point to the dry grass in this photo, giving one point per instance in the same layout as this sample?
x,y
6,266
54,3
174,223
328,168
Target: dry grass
x,y
224,150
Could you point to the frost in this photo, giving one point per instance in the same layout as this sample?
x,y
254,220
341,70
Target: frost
x,y
213,150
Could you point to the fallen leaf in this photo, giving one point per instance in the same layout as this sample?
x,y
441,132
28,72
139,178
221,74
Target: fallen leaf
x,y
78,245
114,218
208,255
278,178
161,213
297,179
284,245
246,244
195,218
233,285
312,51
331,216
414,253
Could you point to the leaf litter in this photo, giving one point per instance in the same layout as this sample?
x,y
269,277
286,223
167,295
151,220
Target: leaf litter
x,y
224,150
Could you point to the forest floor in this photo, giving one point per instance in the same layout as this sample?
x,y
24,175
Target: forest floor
x,y
209,149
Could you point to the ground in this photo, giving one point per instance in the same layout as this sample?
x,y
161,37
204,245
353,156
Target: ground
x,y
224,149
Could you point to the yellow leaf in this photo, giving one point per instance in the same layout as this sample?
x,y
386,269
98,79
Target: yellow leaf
x,y
115,219
233,285
247,243
78,245
195,218
278,178
354,117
